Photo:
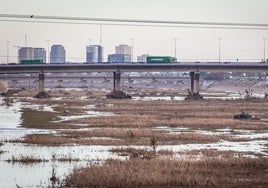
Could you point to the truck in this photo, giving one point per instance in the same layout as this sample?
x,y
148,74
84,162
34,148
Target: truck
x,y
32,61
161,59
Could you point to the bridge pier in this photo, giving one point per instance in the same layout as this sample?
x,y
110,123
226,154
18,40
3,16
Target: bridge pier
x,y
196,83
117,79
41,82
117,93
194,91
192,82
42,93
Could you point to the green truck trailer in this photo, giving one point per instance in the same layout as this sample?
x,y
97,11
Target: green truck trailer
x,y
161,59
30,62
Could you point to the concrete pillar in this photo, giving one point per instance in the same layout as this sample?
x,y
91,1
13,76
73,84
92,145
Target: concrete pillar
x,y
192,82
41,81
196,82
117,77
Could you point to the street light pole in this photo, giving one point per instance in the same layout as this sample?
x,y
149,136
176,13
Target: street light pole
x,y
18,59
132,49
175,47
7,51
48,51
219,49
264,50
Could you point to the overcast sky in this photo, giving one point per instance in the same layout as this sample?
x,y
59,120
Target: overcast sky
x,y
197,44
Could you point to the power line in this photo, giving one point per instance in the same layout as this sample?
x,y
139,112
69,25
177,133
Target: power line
x,y
131,22
130,25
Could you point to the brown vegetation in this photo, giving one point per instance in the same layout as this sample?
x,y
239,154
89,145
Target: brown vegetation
x,y
137,123
118,137
134,120
234,172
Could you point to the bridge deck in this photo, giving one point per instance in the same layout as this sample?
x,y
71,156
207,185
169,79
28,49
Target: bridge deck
x,y
178,67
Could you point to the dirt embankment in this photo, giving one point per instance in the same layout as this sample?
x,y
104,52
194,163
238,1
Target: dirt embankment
x,y
256,86
3,86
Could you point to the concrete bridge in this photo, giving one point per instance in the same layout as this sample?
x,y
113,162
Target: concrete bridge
x,y
194,68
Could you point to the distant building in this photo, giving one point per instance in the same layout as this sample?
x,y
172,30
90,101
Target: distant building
x,y
29,53
142,58
119,58
57,54
123,49
26,53
94,54
40,53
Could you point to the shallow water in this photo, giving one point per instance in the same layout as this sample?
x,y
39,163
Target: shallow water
x,y
39,174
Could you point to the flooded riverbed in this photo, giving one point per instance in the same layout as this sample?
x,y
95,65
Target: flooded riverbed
x,y
58,161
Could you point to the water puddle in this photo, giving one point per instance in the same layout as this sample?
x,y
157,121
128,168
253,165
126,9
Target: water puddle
x,y
255,147
256,144
88,114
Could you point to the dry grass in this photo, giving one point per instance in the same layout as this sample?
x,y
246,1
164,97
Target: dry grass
x,y
118,137
134,121
231,173
201,114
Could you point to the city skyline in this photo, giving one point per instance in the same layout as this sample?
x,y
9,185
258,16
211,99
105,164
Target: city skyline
x,y
187,43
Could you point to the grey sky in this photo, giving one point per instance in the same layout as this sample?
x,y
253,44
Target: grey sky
x,y
192,43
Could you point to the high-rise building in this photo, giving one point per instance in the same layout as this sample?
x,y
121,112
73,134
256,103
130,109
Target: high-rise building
x,y
29,53
57,54
26,53
123,49
94,54
119,58
40,53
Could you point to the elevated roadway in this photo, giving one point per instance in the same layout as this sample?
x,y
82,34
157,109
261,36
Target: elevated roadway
x,y
134,67
194,68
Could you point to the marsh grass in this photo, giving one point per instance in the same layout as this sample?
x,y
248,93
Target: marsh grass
x,y
230,173
64,158
38,119
42,120
26,160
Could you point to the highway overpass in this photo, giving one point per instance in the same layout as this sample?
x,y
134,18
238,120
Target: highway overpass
x,y
194,68
135,67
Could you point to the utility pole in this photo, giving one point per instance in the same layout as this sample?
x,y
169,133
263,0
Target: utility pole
x,y
7,51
